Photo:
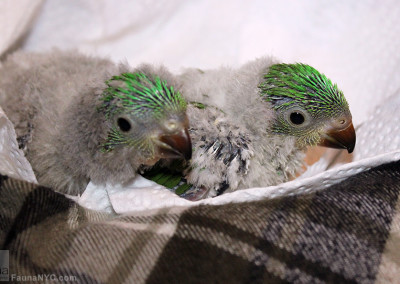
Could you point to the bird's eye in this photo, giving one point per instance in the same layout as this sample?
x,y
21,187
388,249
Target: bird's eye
x,y
124,124
297,118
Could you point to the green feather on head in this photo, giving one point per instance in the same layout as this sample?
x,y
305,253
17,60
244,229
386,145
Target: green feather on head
x,y
305,100
140,94
139,102
286,84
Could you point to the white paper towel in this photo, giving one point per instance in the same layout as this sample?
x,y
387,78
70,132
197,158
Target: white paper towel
x,y
378,142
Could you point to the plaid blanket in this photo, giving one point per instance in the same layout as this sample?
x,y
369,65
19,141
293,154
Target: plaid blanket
x,y
347,233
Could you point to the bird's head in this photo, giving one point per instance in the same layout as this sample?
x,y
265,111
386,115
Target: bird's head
x,y
308,106
146,114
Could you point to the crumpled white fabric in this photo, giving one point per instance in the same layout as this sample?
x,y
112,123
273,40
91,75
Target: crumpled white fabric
x,y
16,17
355,43
12,160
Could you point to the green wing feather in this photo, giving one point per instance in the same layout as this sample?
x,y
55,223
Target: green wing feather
x,y
171,179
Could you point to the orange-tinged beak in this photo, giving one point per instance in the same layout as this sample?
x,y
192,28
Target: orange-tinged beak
x,y
176,145
340,138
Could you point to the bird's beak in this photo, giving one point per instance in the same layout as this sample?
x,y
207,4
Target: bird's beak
x,y
340,138
175,145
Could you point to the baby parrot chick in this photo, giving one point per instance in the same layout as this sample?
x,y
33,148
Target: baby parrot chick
x,y
81,118
250,126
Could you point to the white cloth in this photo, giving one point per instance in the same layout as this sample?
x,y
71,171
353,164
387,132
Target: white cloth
x,y
16,19
354,43
12,160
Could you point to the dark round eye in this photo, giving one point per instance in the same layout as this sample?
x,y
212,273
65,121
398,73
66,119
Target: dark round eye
x,y
124,124
297,118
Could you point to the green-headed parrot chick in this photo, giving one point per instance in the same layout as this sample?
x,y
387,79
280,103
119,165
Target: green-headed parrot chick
x,y
82,119
250,126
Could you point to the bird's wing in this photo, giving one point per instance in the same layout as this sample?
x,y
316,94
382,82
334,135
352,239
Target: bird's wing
x,y
221,156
